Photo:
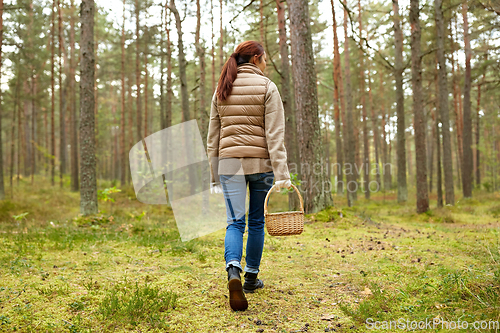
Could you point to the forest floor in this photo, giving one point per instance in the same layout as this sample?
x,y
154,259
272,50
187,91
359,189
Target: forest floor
x,y
128,271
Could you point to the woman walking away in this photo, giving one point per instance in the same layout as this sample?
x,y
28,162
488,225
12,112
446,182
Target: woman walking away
x,y
246,148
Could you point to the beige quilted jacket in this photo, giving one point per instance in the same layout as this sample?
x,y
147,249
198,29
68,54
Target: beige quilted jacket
x,y
246,132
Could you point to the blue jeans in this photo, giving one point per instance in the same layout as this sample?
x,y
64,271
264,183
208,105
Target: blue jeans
x,y
235,190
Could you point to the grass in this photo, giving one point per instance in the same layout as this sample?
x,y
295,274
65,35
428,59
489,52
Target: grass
x,y
127,270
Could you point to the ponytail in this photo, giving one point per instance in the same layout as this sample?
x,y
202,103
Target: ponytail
x,y
243,53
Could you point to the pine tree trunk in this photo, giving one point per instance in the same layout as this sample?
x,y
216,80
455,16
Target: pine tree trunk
x,y
362,87
290,127
52,106
138,74
88,188
443,106
352,184
478,126
200,50
316,186
75,186
2,186
162,69
123,157
168,110
398,74
338,90
182,64
213,45
467,134
221,40
146,74
439,176
419,119
376,139
62,127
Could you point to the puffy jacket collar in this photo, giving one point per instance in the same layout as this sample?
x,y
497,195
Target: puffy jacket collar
x,y
250,68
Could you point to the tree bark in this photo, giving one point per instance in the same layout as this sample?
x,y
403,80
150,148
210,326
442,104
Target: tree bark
x,y
338,90
352,184
138,74
182,63
146,79
362,87
290,127
376,139
419,121
316,194
443,106
200,51
162,69
467,134
221,40
168,107
62,127
213,46
398,74
75,186
2,186
123,157
88,188
52,105
478,124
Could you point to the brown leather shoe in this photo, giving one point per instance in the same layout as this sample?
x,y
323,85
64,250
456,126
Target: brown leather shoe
x,y
237,299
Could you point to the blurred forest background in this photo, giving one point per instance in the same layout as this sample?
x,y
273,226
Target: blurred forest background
x,y
409,89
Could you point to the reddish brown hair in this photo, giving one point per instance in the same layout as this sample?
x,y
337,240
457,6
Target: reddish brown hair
x,y
242,54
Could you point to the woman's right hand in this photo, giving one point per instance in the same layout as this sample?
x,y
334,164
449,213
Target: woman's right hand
x,y
282,184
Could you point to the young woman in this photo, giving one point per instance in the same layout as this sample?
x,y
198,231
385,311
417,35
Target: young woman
x,y
246,148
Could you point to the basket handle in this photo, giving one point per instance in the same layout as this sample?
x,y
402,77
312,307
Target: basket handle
x,y
296,190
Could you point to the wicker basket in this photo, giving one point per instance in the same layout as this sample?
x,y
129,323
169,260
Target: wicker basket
x,y
284,223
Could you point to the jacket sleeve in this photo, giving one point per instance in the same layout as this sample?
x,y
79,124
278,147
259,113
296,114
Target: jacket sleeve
x,y
275,132
213,141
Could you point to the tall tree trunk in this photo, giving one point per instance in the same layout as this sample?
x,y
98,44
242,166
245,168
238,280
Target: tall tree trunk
x,y
261,12
400,111
419,119
439,176
138,74
443,106
162,68
430,145
146,131
467,134
2,186
478,124
376,139
352,184
213,46
221,40
13,134
62,127
338,90
200,51
88,191
52,106
123,157
456,98
366,147
75,185
184,90
182,63
290,127
168,110
316,196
